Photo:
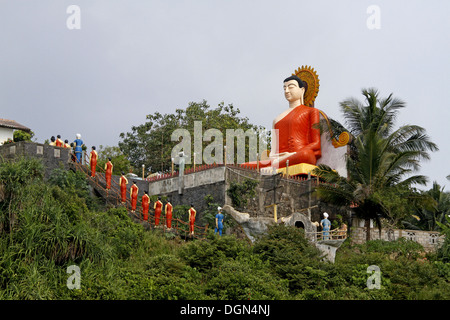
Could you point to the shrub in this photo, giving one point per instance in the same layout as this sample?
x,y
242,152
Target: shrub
x,y
75,184
236,280
206,255
401,246
20,135
283,243
239,193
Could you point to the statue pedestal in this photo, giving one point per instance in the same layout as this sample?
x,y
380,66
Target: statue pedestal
x,y
301,168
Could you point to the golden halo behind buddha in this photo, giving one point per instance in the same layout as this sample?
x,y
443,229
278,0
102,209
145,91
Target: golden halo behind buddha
x,y
309,75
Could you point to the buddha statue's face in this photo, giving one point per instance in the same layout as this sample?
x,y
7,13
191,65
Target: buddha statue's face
x,y
292,91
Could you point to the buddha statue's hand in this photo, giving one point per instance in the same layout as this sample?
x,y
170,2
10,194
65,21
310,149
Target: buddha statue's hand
x,y
282,155
276,159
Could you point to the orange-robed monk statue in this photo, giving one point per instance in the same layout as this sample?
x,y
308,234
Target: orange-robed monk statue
x,y
297,131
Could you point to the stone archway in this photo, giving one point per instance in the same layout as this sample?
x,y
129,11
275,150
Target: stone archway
x,y
300,220
299,224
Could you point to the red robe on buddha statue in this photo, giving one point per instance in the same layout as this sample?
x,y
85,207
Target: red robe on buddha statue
x,y
298,132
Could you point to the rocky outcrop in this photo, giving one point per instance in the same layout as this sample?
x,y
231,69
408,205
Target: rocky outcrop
x,y
252,226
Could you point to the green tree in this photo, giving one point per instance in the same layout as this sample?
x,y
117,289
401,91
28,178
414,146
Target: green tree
x,y
398,204
444,250
381,159
150,143
20,135
429,214
118,159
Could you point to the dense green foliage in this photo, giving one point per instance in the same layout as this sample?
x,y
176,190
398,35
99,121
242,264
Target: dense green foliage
x,y
444,251
47,226
241,192
20,135
432,210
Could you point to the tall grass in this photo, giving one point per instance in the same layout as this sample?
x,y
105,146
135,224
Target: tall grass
x,y
47,226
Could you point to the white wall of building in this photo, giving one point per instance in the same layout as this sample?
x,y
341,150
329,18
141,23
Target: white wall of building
x,y
333,157
5,134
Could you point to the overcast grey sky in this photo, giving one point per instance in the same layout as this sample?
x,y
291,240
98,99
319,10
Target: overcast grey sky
x,y
131,58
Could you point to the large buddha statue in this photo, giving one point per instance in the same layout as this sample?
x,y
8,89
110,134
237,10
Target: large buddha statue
x,y
297,131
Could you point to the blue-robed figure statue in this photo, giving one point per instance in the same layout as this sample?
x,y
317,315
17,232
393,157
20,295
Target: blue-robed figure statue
x,y
219,221
78,147
326,225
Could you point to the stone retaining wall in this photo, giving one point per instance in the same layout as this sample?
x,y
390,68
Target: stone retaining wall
x,y
195,187
293,195
52,157
430,240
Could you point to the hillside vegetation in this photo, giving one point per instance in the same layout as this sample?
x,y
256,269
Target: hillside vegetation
x,y
47,226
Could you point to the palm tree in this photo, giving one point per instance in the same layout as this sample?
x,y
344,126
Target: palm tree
x,y
381,158
430,215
